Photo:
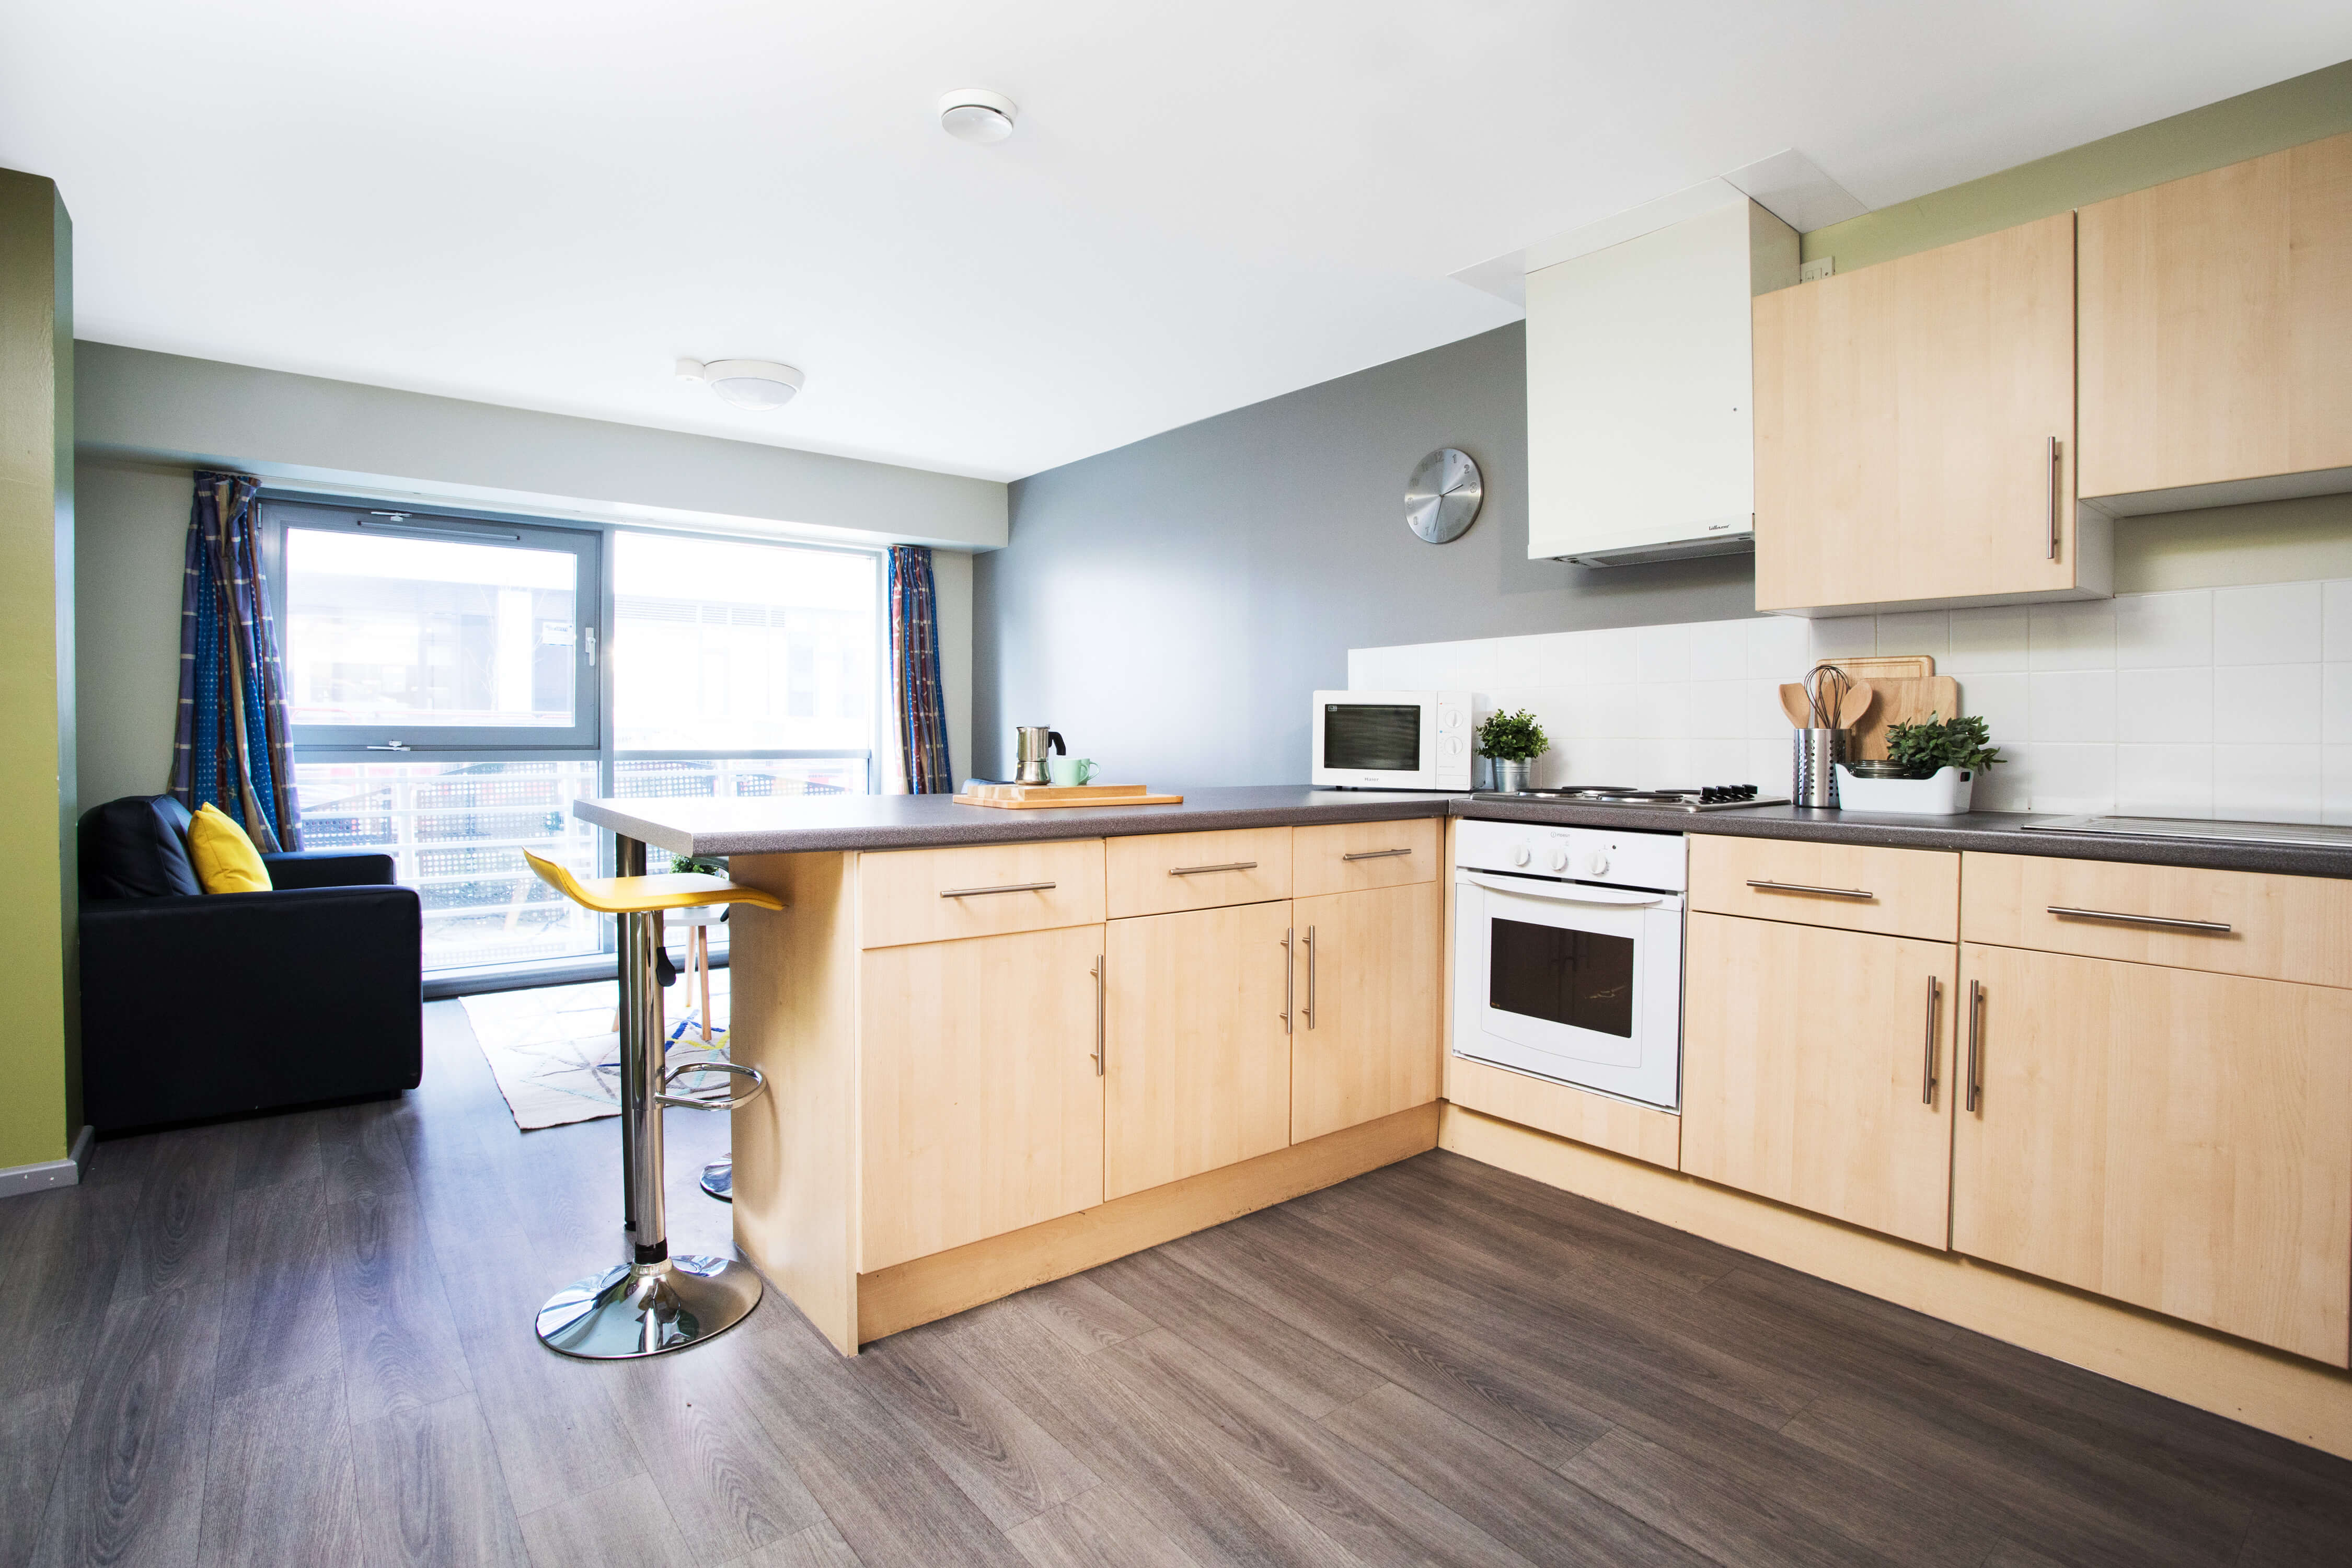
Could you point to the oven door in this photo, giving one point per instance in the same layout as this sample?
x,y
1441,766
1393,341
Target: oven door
x,y
1577,983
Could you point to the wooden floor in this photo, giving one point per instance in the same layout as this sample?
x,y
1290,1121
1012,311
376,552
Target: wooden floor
x,y
306,1341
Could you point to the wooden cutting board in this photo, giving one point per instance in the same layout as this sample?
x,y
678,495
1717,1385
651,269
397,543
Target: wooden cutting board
x,y
1875,668
1901,703
1040,797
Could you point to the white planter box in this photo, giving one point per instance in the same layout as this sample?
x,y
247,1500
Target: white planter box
x,y
1945,795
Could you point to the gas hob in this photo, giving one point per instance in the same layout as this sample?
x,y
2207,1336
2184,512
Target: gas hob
x,y
1707,797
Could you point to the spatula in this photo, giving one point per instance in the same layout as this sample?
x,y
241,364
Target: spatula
x,y
1797,705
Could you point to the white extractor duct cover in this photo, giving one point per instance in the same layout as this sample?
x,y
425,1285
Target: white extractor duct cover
x,y
1640,389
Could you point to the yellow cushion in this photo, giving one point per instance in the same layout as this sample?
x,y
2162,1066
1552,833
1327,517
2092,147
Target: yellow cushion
x,y
226,861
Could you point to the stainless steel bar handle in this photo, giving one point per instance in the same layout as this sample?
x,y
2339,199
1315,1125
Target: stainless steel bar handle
x,y
1927,1074
1976,1067
1197,871
1762,886
1377,853
1008,888
1102,982
1289,978
1310,977
2165,922
2056,470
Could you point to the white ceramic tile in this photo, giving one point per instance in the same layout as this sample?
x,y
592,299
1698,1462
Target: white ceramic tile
x,y
1611,712
1765,719
1984,641
1546,658
1663,653
1916,631
1719,650
1613,655
1665,764
1721,762
2155,631
2009,785
2071,636
2267,782
1605,762
2335,784
2072,705
1841,635
2169,706
1663,709
2336,632
2267,703
1770,762
2164,781
1718,709
1780,647
2283,623
2005,702
2072,778
1430,665
2336,705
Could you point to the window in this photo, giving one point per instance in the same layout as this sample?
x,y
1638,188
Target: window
x,y
450,699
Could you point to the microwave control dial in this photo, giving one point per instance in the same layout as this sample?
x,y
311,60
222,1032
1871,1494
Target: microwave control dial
x,y
1519,856
1559,856
1596,864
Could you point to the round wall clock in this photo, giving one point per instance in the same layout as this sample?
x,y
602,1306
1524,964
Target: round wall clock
x,y
1441,499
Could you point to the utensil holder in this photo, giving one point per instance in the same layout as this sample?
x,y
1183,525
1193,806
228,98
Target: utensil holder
x,y
1813,781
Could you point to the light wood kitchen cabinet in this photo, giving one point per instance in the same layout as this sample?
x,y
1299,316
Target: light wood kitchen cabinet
x,y
982,1105
935,895
1858,887
1914,431
1817,1071
1368,1040
2217,328
2177,1140
1158,873
1196,1042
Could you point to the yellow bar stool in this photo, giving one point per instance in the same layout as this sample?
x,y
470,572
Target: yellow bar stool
x,y
655,1302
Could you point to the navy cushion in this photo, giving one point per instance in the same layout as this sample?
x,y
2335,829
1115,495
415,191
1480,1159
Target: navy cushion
x,y
136,847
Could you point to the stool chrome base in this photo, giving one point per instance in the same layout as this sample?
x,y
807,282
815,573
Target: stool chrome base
x,y
718,1179
648,1308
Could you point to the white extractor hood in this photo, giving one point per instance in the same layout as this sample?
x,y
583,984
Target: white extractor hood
x,y
1640,430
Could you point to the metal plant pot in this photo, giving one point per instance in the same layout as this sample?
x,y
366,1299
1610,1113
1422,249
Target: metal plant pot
x,y
1511,776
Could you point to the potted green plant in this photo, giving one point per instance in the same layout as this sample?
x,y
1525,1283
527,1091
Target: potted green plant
x,y
1930,770
1511,742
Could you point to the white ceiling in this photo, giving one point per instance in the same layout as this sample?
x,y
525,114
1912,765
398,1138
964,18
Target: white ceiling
x,y
543,203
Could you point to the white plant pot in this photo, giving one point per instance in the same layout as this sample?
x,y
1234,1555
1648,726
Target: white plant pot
x,y
1945,795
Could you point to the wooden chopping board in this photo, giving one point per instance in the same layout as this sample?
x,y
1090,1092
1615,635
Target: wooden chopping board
x,y
1875,668
1040,797
1901,703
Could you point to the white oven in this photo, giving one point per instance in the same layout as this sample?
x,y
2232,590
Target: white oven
x,y
1568,956
1391,740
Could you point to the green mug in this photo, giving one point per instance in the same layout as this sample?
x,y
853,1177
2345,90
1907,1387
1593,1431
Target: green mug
x,y
1065,772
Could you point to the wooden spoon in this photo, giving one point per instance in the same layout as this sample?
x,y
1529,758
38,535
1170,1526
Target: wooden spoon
x,y
1797,705
1854,704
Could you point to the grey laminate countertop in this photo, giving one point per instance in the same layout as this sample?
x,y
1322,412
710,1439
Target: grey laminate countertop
x,y
793,823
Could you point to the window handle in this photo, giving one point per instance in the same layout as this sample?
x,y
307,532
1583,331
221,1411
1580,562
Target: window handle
x,y
588,639
391,746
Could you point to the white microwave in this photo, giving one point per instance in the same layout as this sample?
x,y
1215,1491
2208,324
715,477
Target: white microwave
x,y
1391,740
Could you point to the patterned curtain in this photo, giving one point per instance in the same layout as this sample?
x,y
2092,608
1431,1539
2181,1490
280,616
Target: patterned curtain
x,y
231,748
915,672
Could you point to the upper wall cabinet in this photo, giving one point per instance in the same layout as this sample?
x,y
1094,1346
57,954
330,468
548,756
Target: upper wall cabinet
x,y
2217,335
1915,432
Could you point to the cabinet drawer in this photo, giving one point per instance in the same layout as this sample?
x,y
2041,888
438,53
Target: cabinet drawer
x,y
1350,856
2253,923
1852,886
936,895
1160,873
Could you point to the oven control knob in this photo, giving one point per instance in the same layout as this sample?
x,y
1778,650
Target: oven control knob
x,y
1519,855
1596,864
1559,856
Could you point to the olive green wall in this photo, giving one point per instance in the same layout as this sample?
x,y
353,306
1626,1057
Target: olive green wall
x,y
2274,541
39,1087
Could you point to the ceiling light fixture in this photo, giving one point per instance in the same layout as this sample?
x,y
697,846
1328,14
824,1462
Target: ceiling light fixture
x,y
976,115
754,384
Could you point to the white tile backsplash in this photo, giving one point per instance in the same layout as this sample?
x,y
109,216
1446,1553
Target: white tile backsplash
x,y
2230,702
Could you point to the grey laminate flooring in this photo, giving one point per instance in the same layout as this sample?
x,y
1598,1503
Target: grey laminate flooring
x,y
306,1340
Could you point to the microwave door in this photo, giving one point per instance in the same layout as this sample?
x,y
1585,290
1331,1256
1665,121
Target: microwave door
x,y
1373,737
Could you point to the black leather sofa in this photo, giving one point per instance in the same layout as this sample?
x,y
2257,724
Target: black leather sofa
x,y
197,1006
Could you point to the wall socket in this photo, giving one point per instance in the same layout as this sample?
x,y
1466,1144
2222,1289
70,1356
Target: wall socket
x,y
1818,268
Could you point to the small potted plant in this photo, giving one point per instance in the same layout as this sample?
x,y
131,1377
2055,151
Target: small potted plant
x,y
1930,770
1511,742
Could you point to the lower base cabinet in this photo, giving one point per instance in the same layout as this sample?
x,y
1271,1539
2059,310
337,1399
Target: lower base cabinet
x,y
2178,1140
1196,1042
1817,1071
981,1105
1367,1043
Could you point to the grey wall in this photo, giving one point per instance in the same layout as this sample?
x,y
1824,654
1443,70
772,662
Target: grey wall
x,y
1170,605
